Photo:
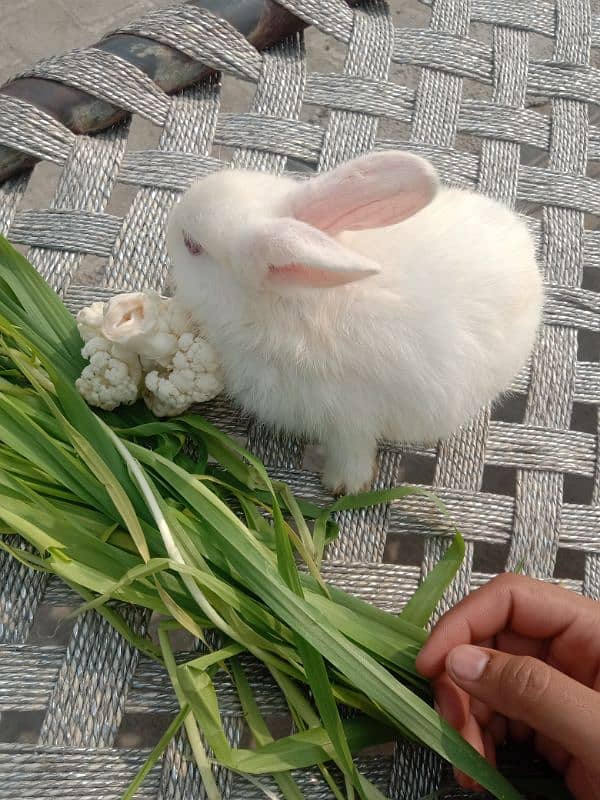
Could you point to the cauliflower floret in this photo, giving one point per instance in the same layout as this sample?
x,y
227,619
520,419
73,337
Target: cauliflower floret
x,y
89,321
191,377
112,377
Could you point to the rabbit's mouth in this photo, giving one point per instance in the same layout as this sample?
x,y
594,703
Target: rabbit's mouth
x,y
193,247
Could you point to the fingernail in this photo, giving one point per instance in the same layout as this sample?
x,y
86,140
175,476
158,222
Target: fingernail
x,y
467,663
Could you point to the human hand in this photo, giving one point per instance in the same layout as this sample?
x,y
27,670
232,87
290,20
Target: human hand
x,y
534,672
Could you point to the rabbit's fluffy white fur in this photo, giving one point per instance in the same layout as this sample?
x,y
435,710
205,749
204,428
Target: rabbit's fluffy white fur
x,y
366,303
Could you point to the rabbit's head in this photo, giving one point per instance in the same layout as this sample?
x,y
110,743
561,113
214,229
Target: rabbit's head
x,y
277,234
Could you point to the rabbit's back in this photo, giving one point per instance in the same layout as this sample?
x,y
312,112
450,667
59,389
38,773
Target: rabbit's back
x,y
463,272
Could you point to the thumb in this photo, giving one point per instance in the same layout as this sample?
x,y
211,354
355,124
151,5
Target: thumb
x,y
527,689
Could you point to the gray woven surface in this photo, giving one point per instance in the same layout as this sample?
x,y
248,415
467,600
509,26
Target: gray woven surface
x,y
522,481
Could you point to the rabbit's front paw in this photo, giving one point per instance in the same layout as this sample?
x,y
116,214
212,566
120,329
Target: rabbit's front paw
x,y
348,471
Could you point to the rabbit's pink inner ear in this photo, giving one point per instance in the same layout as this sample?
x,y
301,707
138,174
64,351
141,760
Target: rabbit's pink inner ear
x,y
302,275
372,191
293,253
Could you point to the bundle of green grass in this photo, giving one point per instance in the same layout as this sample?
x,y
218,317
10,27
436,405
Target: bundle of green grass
x,y
115,506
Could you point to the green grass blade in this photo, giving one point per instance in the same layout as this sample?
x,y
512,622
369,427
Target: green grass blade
x,y
24,556
367,613
387,644
145,570
24,436
156,753
285,557
310,747
35,535
41,306
208,780
370,791
200,693
424,601
318,680
259,730
13,324
117,494
314,665
216,658
365,500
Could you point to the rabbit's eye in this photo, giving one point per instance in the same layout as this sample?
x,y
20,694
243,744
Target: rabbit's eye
x,y
194,247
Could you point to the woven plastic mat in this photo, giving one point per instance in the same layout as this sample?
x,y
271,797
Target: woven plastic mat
x,y
501,96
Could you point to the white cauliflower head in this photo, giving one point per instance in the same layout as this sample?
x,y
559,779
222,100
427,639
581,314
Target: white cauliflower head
x,y
112,377
192,377
89,321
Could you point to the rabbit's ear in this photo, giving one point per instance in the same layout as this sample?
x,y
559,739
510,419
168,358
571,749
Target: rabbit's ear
x,y
368,192
296,254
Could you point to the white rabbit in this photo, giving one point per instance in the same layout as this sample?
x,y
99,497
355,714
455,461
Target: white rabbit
x,y
366,303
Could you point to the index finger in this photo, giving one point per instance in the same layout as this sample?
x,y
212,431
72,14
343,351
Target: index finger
x,y
508,602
